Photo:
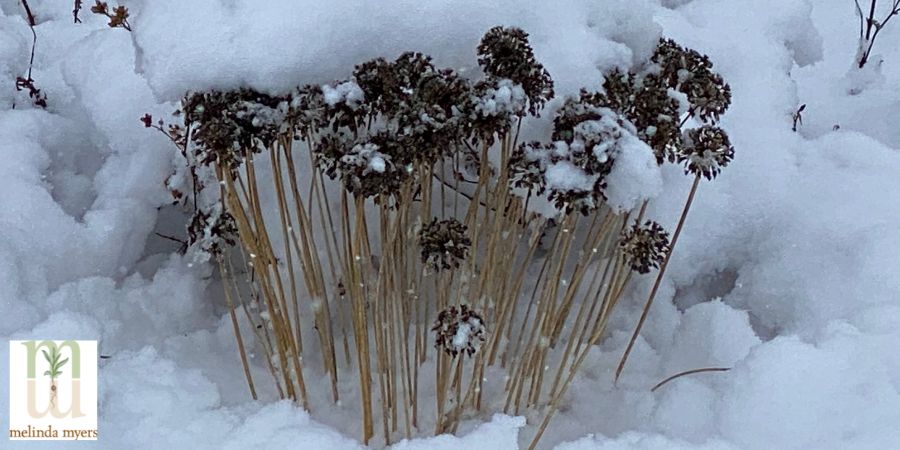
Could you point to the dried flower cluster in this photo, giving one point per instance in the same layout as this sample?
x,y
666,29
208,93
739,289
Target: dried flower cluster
x,y
118,18
224,125
589,130
504,53
706,151
444,244
573,168
37,97
689,72
458,330
644,247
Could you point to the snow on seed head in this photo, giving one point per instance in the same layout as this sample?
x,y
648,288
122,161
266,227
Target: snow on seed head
x,y
224,124
458,330
706,151
690,72
505,53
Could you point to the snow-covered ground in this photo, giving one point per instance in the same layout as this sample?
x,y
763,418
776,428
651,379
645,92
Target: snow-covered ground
x,y
787,269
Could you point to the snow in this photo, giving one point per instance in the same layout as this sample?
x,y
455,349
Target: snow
x,y
786,271
347,92
635,176
505,99
564,176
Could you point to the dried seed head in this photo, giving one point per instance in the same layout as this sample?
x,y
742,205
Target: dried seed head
x,y
368,168
495,104
504,53
706,151
584,156
225,124
432,123
527,165
444,244
308,110
644,248
690,72
646,103
458,330
387,86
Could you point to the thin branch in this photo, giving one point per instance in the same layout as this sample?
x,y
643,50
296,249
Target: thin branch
x,y
76,10
861,19
873,28
27,82
659,277
688,372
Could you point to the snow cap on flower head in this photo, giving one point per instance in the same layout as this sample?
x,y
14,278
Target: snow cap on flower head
x,y
504,53
458,330
706,151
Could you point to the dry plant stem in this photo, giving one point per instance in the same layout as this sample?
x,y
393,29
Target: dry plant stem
x,y
31,24
356,245
610,299
659,277
506,316
226,275
249,240
528,360
616,292
517,362
547,320
331,246
688,372
260,331
872,27
309,262
288,255
602,241
282,320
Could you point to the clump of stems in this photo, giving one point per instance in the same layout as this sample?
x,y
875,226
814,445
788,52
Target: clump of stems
x,y
391,215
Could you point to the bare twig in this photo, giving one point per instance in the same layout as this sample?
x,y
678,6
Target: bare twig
x,y
797,117
27,83
688,372
76,10
659,277
872,27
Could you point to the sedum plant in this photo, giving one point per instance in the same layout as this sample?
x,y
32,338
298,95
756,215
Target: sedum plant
x,y
391,215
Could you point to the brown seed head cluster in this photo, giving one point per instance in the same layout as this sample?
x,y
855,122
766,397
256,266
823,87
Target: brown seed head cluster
x,y
706,151
444,244
644,247
458,330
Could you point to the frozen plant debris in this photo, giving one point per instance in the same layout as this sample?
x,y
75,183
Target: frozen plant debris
x,y
706,151
644,247
458,330
444,244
